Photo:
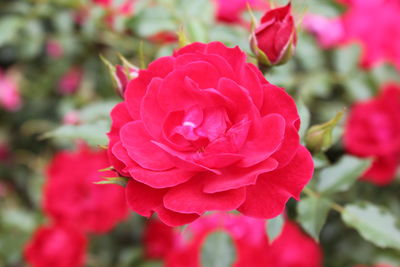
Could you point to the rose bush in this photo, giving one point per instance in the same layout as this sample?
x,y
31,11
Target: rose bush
x,y
56,246
249,238
373,130
70,195
203,130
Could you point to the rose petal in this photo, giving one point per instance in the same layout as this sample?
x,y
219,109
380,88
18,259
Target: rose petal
x,y
189,198
137,142
265,141
267,198
142,198
236,177
174,219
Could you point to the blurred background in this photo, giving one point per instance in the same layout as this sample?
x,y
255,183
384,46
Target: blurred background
x,y
56,92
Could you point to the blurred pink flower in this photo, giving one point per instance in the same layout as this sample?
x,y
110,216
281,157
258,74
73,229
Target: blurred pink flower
x,y
371,23
230,10
54,49
291,248
10,98
70,81
71,118
329,32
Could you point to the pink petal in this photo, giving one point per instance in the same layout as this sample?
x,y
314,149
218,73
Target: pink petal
x,y
265,141
189,198
137,88
160,179
137,142
143,199
174,219
267,198
151,113
236,177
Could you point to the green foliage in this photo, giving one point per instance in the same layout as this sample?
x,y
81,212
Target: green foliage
x,y
218,250
312,213
375,224
274,227
342,175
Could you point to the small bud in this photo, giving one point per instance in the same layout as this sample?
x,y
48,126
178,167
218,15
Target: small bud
x,y
274,40
121,74
319,137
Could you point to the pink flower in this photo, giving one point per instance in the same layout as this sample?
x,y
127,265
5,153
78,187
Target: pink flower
x,y
373,130
274,40
10,98
329,32
290,248
372,24
54,49
70,81
203,130
72,197
56,246
230,10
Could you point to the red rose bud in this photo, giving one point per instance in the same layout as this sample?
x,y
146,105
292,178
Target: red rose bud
x,y
121,75
274,40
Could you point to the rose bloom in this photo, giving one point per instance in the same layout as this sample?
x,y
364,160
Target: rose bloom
x,y
56,246
275,37
373,130
10,98
291,248
229,11
203,130
71,195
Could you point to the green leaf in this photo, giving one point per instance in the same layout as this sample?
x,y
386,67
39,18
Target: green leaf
x,y
218,250
94,134
346,59
373,223
312,213
304,117
342,175
153,20
274,227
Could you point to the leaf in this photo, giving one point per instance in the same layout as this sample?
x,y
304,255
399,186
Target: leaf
x,y
312,213
218,250
122,181
94,134
153,20
274,227
373,223
342,175
304,117
346,59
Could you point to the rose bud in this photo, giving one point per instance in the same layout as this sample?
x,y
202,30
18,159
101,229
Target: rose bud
x,y
121,74
319,137
274,40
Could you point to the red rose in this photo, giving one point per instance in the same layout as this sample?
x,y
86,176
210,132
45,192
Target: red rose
x,y
373,130
203,130
71,195
159,239
291,248
274,40
56,246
